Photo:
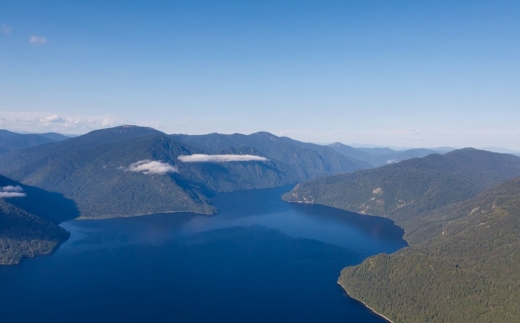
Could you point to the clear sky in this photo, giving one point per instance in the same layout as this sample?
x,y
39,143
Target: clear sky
x,y
401,73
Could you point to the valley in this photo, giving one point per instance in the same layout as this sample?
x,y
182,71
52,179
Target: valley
x,y
458,209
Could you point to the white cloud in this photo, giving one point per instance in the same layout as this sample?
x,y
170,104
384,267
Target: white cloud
x,y
11,188
201,158
11,194
52,122
11,191
37,40
152,167
53,119
6,29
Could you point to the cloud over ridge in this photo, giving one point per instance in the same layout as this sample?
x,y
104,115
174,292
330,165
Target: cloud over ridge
x,y
203,158
154,167
11,191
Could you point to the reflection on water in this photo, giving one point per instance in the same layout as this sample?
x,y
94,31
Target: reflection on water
x,y
244,209
260,259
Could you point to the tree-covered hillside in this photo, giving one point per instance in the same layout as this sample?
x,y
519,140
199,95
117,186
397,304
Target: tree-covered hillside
x,y
462,263
104,171
407,190
22,232
12,140
465,272
308,160
26,235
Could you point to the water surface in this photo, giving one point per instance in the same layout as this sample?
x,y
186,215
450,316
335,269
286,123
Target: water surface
x,y
259,260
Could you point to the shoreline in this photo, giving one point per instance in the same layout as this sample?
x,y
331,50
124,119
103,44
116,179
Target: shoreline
x,y
339,283
108,217
365,304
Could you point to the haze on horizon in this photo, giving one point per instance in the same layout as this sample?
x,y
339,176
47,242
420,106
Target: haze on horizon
x,y
408,74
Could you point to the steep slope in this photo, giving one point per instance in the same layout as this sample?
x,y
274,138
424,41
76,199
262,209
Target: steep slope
x,y
405,190
95,174
465,272
24,234
50,206
118,172
19,164
308,160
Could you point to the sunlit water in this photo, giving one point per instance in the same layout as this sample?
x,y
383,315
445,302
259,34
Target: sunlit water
x,y
259,260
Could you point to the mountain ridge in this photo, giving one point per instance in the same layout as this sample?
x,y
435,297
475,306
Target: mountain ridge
x,y
381,156
95,170
400,191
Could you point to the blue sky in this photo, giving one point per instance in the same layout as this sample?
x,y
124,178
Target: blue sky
x,y
400,73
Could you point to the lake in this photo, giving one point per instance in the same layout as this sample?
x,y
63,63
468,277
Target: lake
x,y
259,260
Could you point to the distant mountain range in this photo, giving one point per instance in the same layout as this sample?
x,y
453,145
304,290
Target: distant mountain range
x,y
12,141
382,156
118,171
462,231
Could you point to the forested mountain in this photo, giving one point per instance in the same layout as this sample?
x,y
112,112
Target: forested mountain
x,y
11,140
381,156
461,266
464,252
308,160
54,136
6,133
132,170
28,218
23,141
408,189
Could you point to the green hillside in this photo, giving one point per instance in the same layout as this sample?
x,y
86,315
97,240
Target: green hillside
x,y
93,170
462,263
25,235
307,160
28,224
12,140
407,190
466,272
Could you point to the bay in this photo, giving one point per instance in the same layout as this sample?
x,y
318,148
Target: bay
x,y
260,259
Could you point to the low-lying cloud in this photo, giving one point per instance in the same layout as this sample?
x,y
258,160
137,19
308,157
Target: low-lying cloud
x,y
11,191
202,158
152,167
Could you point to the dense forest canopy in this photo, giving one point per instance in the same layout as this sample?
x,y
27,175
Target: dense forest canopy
x,y
462,263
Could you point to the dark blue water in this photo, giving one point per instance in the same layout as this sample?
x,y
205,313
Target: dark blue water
x,y
259,260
